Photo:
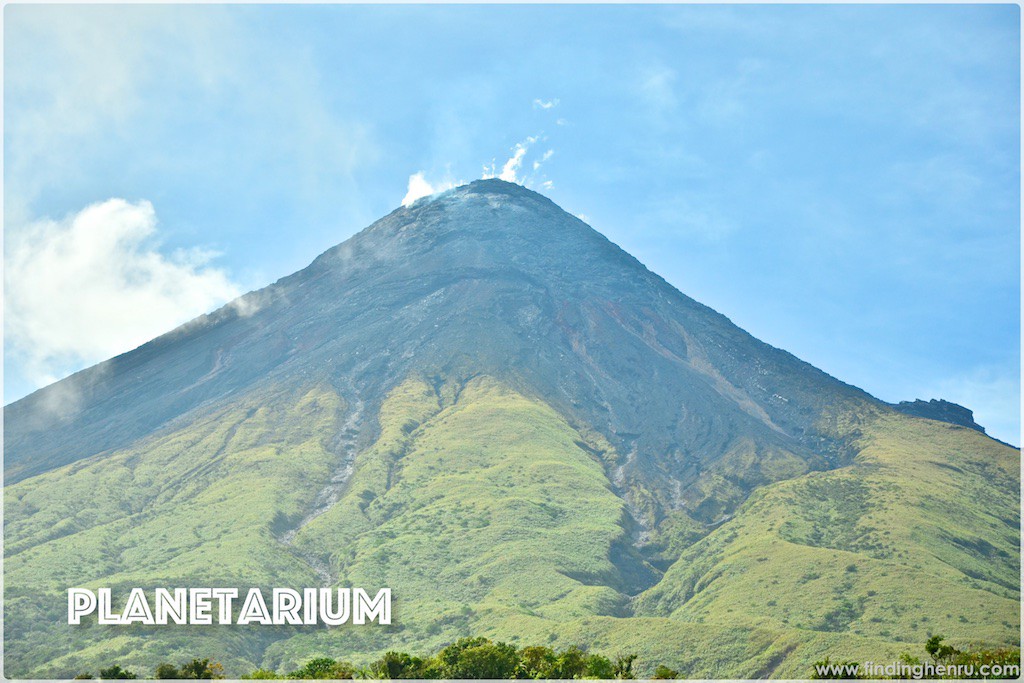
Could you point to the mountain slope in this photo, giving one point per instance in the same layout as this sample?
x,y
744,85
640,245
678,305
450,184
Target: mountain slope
x,y
194,507
565,314
483,404
919,535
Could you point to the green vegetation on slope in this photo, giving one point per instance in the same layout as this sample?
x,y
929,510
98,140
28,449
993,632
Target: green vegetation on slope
x,y
476,508
195,506
920,534
486,513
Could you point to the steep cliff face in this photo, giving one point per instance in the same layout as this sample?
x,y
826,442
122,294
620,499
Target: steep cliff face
x,y
480,392
941,410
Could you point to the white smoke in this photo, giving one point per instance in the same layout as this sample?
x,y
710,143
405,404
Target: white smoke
x,y
420,187
511,170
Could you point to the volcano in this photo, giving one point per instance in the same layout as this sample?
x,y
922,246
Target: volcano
x,y
483,404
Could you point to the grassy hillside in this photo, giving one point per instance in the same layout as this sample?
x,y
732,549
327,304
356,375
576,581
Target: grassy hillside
x,y
919,535
488,514
475,509
194,507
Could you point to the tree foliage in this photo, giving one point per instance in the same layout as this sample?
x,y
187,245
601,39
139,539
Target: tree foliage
x,y
466,658
115,672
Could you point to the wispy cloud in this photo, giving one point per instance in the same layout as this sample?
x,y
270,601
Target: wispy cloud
x,y
76,73
689,215
96,85
657,87
727,100
95,284
547,155
545,104
946,179
106,57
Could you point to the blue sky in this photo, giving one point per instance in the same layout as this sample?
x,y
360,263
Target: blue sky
x,y
841,181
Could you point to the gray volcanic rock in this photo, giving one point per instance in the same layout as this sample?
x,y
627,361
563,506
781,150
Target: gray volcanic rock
x,y
488,278
941,410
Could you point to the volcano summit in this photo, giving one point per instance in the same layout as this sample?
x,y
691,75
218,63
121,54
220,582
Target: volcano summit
x,y
486,406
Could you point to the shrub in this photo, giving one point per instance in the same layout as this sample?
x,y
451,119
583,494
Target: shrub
x,y
116,672
662,672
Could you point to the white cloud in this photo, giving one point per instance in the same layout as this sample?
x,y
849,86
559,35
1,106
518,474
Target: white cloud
x,y
548,104
547,155
93,285
420,187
